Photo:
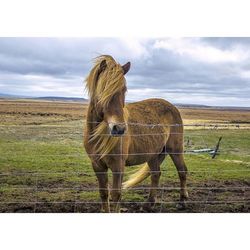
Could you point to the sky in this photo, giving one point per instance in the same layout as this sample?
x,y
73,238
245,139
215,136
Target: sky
x,y
207,71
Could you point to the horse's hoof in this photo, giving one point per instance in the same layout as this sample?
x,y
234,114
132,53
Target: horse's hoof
x,y
145,209
181,205
105,210
148,206
123,210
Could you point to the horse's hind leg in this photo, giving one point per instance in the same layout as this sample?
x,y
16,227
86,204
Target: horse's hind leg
x,y
155,172
178,159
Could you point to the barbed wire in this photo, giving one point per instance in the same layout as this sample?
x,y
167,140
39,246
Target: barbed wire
x,y
188,134
151,125
118,172
37,188
122,202
120,154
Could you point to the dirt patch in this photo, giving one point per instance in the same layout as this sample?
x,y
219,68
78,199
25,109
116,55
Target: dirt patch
x,y
211,197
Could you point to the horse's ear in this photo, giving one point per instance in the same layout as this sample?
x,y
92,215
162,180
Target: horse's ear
x,y
126,68
103,66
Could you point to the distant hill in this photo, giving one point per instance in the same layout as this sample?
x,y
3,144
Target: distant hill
x,y
78,99
3,95
181,105
44,98
61,99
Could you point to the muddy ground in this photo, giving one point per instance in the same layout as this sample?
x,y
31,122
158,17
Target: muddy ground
x,y
211,197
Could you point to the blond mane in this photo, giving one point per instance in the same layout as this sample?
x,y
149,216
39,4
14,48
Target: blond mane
x,y
102,86
104,142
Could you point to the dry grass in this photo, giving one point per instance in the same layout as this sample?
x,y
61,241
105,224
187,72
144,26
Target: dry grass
x,y
23,112
40,112
216,115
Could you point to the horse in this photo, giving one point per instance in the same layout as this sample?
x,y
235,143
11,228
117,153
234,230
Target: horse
x,y
119,134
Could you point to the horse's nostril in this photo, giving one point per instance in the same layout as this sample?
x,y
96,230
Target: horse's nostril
x,y
121,131
115,128
118,130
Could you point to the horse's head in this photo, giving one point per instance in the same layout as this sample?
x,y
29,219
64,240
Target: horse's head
x,y
106,85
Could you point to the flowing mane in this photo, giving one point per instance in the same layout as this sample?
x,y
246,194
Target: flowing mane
x,y
101,87
104,142
110,81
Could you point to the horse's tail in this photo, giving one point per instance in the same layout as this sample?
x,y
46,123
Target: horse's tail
x,y
137,177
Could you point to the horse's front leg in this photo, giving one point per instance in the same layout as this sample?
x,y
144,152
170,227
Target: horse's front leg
x,y
116,187
102,176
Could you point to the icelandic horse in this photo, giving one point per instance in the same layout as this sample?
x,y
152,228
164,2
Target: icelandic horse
x,y
118,135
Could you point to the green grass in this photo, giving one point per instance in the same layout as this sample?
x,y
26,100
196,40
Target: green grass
x,y
48,163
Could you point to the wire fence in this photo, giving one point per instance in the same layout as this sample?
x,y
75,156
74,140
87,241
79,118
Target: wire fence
x,y
37,187
211,126
87,172
241,192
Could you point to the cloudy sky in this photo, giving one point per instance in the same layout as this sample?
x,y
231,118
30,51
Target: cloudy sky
x,y
209,71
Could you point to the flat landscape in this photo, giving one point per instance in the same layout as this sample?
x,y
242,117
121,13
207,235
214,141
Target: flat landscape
x,y
44,168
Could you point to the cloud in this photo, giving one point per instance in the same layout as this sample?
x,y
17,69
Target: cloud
x,y
199,51
190,70
245,74
135,48
41,85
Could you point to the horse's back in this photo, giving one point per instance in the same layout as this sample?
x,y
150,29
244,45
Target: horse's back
x,y
153,111
149,129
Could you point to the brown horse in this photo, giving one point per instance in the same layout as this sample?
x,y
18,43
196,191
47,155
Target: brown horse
x,y
119,135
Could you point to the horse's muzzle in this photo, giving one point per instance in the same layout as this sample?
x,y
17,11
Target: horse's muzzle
x,y
117,130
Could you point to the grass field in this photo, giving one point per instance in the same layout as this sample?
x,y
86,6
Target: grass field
x,y
44,168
